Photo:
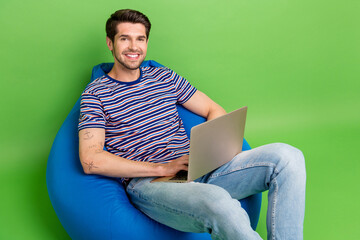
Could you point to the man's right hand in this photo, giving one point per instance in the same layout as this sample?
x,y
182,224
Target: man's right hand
x,y
171,168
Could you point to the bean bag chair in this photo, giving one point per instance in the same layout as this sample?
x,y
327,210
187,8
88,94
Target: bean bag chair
x,y
97,207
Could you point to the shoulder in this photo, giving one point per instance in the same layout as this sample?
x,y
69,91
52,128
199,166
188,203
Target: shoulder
x,y
98,85
153,70
160,73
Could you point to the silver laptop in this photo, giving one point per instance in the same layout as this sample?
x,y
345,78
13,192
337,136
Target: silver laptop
x,y
212,144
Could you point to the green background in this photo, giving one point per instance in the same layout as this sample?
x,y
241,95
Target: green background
x,y
295,64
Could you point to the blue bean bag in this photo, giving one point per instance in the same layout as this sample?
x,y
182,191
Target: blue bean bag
x,y
97,207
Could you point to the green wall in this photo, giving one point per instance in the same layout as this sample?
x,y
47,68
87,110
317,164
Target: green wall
x,y
295,64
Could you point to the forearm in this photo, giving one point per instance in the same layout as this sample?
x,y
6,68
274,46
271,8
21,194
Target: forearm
x,y
95,160
108,164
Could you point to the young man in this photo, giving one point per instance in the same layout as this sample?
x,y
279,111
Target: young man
x,y
132,112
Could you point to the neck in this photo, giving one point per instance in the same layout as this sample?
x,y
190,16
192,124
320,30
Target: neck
x,y
123,74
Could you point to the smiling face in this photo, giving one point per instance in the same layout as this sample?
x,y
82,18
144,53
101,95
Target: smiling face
x,y
130,45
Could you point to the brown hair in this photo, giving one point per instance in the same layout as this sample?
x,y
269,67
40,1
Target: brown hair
x,y
126,15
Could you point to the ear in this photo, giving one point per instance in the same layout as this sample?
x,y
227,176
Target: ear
x,y
109,43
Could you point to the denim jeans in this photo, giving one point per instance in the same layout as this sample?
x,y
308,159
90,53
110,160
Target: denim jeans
x,y
210,204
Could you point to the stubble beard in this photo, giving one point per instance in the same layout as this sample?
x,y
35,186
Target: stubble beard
x,y
127,66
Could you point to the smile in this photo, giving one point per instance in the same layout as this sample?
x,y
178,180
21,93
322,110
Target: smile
x,y
132,55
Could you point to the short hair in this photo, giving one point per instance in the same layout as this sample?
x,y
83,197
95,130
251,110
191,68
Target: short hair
x,y
126,15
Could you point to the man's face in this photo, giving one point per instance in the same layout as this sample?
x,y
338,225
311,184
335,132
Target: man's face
x,y
130,45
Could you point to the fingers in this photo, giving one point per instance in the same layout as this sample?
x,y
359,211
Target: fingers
x,y
174,166
186,168
182,162
183,159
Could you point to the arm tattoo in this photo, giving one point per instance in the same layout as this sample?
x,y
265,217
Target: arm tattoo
x,y
99,150
98,147
88,135
90,165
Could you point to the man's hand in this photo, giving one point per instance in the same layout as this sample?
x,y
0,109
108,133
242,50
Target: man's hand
x,y
171,168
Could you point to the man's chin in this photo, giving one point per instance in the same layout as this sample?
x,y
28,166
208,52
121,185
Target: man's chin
x,y
132,66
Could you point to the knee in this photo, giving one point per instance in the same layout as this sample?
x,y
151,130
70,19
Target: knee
x,y
292,159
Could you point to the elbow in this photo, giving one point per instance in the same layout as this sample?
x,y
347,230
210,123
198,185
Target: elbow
x,y
87,170
215,112
87,164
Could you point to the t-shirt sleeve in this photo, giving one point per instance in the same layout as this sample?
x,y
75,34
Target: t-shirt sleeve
x,y
91,112
184,90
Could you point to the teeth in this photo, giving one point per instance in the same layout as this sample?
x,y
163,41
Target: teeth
x,y
133,56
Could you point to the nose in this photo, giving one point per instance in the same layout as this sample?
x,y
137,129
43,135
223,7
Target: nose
x,y
132,45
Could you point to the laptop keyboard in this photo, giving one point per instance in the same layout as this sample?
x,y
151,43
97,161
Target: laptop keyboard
x,y
180,175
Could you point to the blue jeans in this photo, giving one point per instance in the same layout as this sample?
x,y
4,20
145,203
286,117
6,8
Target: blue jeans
x,y
210,204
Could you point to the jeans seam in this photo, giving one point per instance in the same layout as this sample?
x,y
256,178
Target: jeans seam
x,y
273,215
261,164
274,210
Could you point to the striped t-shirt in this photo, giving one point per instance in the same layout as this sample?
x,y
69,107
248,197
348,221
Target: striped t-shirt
x,y
140,118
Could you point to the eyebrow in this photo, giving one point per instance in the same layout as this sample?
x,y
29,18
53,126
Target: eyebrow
x,y
124,35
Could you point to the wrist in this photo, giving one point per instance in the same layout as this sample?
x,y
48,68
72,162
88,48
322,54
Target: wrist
x,y
159,169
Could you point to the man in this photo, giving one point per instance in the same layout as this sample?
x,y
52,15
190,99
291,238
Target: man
x,y
132,112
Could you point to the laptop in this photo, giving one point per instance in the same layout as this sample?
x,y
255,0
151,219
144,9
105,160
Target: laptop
x,y
212,144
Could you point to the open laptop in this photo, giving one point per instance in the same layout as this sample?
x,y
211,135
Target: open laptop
x,y
212,144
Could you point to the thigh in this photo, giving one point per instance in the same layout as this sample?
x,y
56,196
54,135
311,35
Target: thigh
x,y
183,206
251,171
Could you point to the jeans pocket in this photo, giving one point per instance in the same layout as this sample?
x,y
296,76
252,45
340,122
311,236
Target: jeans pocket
x,y
133,183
